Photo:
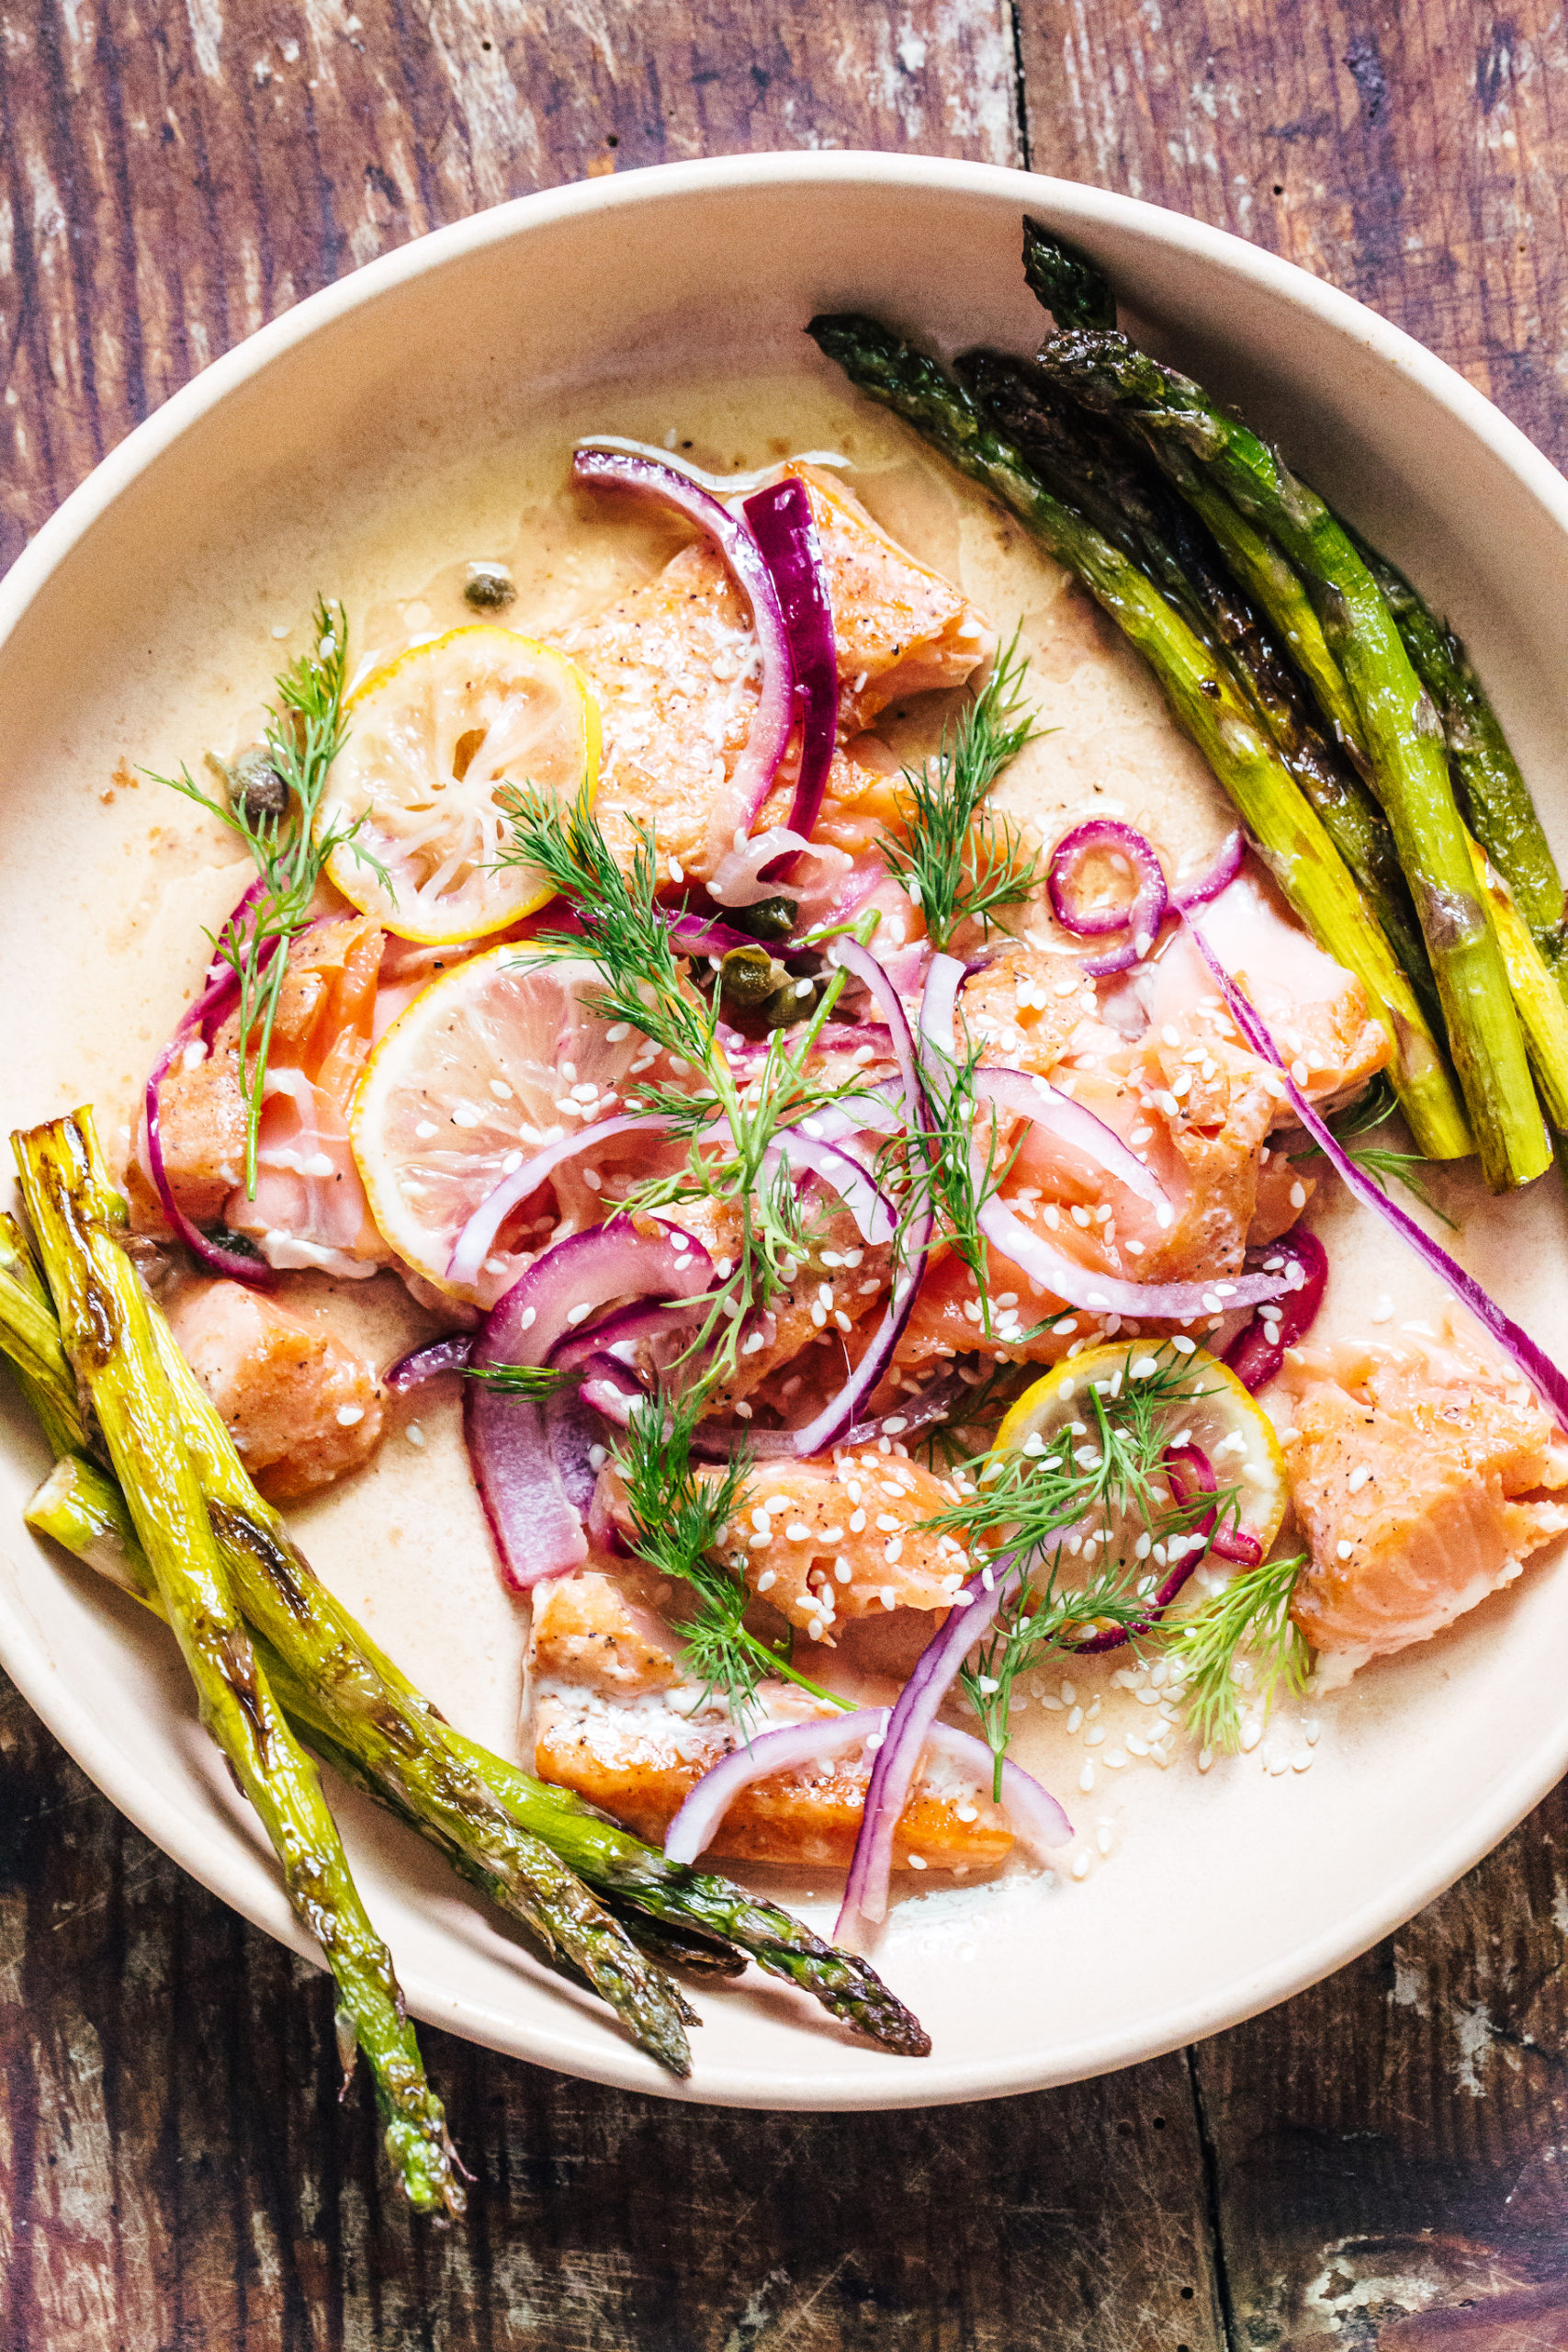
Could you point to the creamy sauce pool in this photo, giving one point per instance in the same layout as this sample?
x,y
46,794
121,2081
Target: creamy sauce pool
x,y
404,1542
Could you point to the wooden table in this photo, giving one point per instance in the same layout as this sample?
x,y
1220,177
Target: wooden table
x,y
1384,2160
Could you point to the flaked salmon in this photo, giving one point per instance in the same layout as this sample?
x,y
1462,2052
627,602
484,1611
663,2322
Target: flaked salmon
x,y
302,1407
1423,1478
615,1720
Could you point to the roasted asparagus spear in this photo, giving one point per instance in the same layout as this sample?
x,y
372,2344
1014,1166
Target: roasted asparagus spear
x,y
104,1323
1204,698
1403,734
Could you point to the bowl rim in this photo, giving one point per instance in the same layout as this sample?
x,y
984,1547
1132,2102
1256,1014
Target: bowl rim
x,y
219,1853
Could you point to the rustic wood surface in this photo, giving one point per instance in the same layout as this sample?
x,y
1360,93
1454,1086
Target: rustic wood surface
x,y
1383,2162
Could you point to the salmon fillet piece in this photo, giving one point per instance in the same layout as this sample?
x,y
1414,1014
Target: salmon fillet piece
x,y
673,667
828,1542
601,1678
1423,1479
302,1408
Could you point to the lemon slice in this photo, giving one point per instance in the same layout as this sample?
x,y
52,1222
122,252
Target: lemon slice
x,y
1192,1401
437,742
492,1061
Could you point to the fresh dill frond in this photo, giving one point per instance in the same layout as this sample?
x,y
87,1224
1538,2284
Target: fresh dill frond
x,y
960,862
304,734
1253,1614
1376,1106
623,930
1030,1623
977,1414
678,1519
531,1380
943,1170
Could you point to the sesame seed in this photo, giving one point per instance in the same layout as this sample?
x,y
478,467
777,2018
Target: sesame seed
x,y
768,1579
1343,1549
918,1862
798,1531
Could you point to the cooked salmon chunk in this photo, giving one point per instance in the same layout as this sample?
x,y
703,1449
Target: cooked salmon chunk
x,y
830,1540
1423,1479
301,1405
614,1719
673,666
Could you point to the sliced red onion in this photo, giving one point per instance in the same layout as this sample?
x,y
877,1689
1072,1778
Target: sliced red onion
x,y
1220,875
737,879
865,1199
1076,1284
429,1363
860,880
477,1237
1141,917
764,748
1257,1352
864,1904
784,527
716,1441
705,934
650,1319
1516,1343
1189,1473
833,1037
1075,1125
838,1413
1037,1819
856,1115
538,1531
572,1431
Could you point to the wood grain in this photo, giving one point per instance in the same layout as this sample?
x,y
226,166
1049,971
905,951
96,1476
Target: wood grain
x,y
1383,2162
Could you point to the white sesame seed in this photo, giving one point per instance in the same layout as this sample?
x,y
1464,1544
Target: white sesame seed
x,y
348,1414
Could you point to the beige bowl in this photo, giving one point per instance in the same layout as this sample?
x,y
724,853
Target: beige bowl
x,y
346,437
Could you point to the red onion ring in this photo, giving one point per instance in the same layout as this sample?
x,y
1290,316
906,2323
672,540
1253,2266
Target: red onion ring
x,y
1256,1354
1038,1820
695,934
737,879
1220,875
1537,1366
716,1441
538,1531
1141,917
661,485
785,528
473,1245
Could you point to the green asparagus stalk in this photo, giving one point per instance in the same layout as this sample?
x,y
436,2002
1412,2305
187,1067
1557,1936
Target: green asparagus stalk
x,y
1075,289
1403,733
104,1323
345,1696
83,1510
1538,993
1129,501
1202,696
33,1343
1495,796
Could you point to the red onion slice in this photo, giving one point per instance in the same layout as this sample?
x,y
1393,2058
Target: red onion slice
x,y
645,478
429,1363
537,1532
864,1904
1141,917
1257,1352
1038,1820
862,966
1075,1125
737,879
477,1237
1220,875
704,935
1516,1343
865,1199
1182,1463
784,527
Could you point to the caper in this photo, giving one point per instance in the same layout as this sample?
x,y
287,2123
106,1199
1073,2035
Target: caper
x,y
254,787
750,976
488,587
793,1000
767,918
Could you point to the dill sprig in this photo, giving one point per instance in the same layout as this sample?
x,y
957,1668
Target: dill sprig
x,y
943,1169
732,1126
960,862
1030,1623
1376,1106
678,1525
304,734
623,928
534,1381
1253,1614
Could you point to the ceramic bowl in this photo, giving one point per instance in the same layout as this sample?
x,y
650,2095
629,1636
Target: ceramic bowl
x,y
164,580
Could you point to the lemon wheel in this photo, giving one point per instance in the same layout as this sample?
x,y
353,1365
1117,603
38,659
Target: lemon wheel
x,y
500,1056
1192,1406
438,741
